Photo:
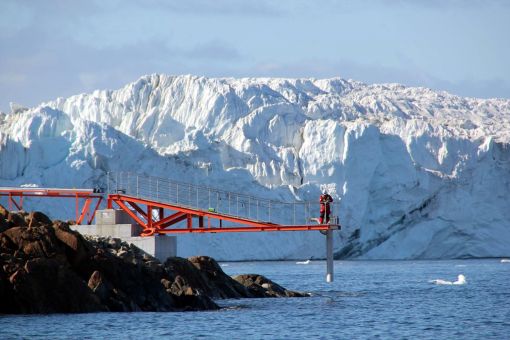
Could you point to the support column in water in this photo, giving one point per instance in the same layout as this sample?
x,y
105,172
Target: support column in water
x,y
329,255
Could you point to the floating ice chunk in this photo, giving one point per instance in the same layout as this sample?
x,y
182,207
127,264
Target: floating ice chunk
x,y
505,260
303,262
461,279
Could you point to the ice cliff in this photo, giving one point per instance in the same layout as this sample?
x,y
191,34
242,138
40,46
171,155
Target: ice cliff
x,y
420,173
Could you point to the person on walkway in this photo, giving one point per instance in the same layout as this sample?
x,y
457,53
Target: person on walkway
x,y
325,201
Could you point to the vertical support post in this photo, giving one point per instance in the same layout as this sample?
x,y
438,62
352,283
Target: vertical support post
x,y
329,255
77,203
149,216
107,182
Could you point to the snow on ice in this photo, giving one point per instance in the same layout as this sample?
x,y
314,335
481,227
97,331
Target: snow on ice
x,y
420,173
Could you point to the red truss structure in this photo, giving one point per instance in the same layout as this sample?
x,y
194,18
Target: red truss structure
x,y
161,218
87,196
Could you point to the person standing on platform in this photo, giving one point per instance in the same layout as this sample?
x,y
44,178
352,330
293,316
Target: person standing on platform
x,y
325,201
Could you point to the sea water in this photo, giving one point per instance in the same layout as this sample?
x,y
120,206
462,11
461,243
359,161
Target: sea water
x,y
368,299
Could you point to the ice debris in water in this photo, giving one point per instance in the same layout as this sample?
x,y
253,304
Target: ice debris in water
x,y
505,260
461,279
303,262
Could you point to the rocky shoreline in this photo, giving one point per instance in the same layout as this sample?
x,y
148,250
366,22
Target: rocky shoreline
x,y
45,267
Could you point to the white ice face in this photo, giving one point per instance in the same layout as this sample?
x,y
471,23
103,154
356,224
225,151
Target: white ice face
x,y
421,174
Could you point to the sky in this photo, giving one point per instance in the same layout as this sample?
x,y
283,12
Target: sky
x,y
58,48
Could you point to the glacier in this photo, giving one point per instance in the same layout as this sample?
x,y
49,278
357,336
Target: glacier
x,y
419,174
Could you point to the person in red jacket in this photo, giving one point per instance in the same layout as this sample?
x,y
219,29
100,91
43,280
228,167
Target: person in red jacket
x,y
325,201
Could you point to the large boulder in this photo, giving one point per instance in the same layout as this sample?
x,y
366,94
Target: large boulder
x,y
37,219
76,247
263,287
17,219
46,285
223,286
127,286
32,243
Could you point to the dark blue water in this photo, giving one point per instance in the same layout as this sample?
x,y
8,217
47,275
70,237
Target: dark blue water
x,y
369,299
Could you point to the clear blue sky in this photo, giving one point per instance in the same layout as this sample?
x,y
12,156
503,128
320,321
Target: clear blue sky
x,y
59,48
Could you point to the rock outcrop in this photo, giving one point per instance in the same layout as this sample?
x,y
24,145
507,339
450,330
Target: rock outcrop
x,y
45,267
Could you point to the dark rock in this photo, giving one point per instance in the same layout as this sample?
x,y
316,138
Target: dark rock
x,y
195,302
3,212
4,225
77,249
33,242
263,287
37,219
16,219
203,276
184,275
49,286
133,287
45,267
222,285
115,301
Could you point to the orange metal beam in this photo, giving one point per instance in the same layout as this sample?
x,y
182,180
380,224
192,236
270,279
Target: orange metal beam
x,y
318,227
187,213
84,210
87,194
138,209
130,213
169,220
91,217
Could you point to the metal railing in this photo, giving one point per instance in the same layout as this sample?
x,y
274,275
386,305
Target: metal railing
x,y
213,199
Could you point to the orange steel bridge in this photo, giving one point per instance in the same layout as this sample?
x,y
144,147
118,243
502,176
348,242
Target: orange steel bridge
x,y
161,218
162,206
88,196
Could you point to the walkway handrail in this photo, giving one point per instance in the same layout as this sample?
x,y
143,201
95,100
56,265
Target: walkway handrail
x,y
213,199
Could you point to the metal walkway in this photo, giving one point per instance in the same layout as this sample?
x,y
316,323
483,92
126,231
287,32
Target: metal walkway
x,y
85,214
162,206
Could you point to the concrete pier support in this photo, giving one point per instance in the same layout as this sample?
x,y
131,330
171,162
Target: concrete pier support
x,y
118,224
329,255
